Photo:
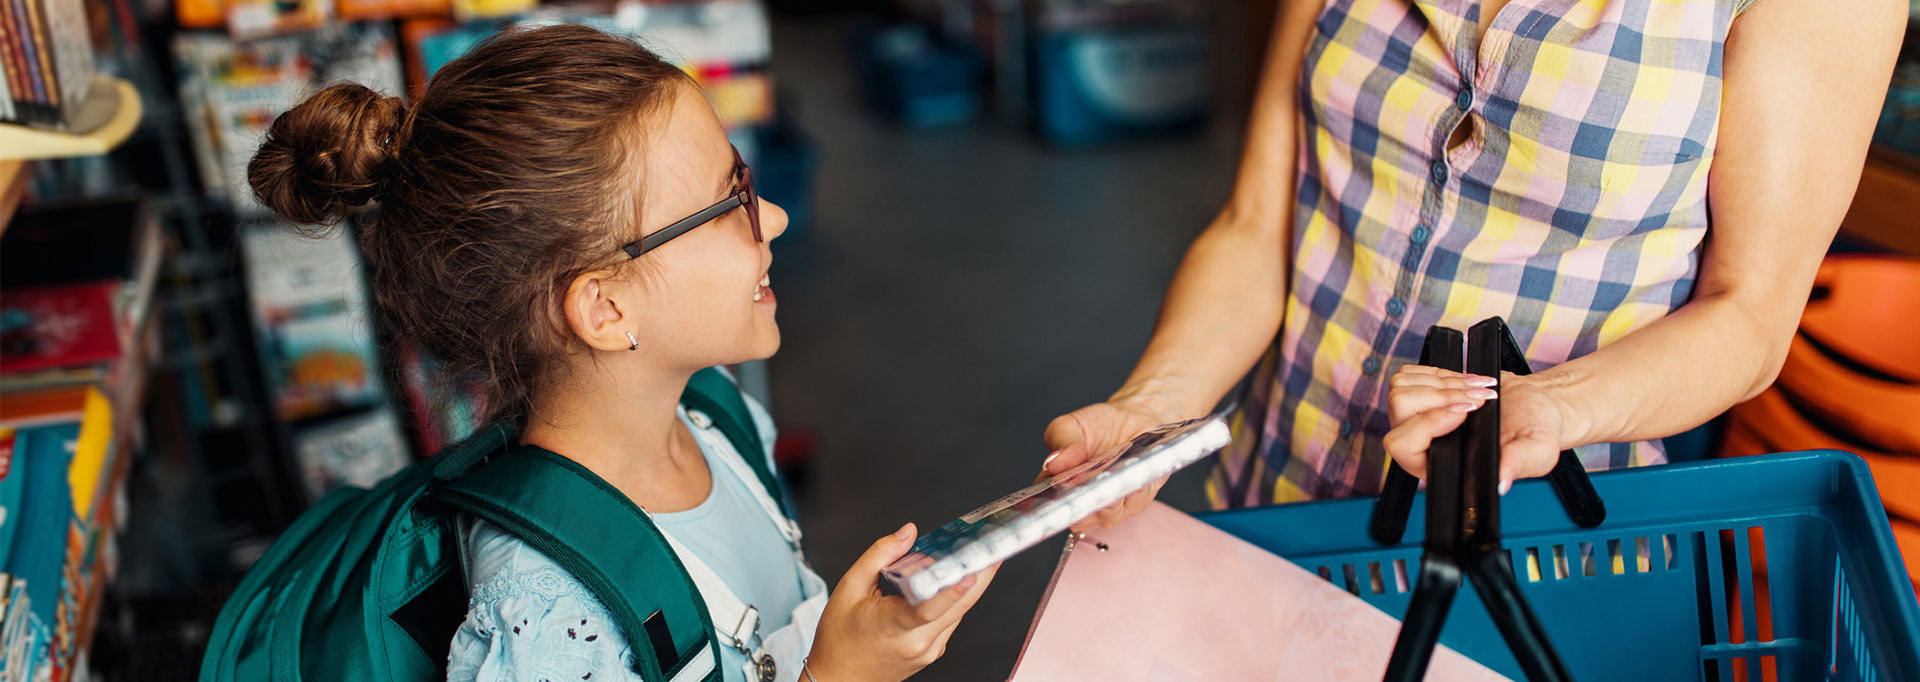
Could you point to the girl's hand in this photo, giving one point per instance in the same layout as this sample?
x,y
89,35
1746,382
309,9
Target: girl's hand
x,y
865,636
1424,403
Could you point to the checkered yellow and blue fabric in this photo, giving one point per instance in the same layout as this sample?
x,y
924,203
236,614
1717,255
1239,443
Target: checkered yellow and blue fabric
x,y
1575,207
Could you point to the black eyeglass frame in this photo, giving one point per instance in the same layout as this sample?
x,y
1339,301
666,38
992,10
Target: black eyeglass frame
x,y
743,195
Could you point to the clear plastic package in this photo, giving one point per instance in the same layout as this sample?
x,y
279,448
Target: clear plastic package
x,y
1011,524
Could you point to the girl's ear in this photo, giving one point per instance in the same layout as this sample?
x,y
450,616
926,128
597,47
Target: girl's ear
x,y
600,312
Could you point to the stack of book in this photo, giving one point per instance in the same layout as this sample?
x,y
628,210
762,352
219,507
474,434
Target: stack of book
x,y
76,334
47,54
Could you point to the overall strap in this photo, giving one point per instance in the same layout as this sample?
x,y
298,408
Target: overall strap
x,y
607,543
711,392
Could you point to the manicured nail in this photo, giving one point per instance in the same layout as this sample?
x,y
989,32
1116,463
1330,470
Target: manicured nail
x,y
1482,393
905,532
1505,485
1477,380
1048,462
1460,407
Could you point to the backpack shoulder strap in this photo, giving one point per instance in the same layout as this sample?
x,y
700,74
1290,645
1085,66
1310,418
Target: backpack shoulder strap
x,y
607,543
711,392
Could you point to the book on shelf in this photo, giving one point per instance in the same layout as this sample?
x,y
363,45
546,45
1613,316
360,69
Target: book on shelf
x,y
312,315
354,10
77,291
725,45
357,450
9,111
12,494
64,452
57,326
47,53
80,241
233,90
93,251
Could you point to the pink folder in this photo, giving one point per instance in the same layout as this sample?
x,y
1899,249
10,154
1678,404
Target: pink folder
x,y
1172,599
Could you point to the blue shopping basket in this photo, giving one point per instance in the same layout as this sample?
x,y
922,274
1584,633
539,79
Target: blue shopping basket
x,y
1756,568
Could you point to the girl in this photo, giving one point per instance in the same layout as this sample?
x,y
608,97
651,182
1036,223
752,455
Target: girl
x,y
561,215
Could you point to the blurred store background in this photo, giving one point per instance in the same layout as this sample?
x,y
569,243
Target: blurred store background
x,y
988,199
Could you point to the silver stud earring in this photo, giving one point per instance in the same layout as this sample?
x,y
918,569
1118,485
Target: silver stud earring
x,y
632,343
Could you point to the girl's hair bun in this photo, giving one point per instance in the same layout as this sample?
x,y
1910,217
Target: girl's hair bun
x,y
328,155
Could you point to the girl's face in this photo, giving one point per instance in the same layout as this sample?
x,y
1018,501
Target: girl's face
x,y
703,297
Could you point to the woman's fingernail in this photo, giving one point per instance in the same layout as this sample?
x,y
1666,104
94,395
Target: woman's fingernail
x,y
905,532
1460,407
1049,460
1477,380
1505,485
1482,393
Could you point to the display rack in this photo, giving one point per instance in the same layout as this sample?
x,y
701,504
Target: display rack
x,y
106,119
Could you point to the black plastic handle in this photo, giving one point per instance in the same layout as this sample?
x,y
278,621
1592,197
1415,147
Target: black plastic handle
x,y
1390,512
1575,490
1426,615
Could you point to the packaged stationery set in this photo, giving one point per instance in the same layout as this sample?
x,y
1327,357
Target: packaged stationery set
x,y
1011,524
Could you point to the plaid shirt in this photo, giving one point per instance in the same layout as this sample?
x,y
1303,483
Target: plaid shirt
x,y
1575,209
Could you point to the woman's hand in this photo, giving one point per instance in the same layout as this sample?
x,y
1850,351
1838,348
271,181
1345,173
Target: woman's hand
x,y
1100,430
1424,403
865,636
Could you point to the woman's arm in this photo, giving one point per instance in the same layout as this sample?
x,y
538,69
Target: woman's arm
x,y
1225,304
1804,81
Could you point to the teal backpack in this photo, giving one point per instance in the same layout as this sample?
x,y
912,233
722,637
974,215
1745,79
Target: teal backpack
x,y
366,584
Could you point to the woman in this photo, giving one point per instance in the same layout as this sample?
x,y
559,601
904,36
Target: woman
x,y
562,217
1643,189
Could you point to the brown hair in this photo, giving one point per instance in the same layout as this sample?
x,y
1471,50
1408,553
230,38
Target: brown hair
x,y
508,179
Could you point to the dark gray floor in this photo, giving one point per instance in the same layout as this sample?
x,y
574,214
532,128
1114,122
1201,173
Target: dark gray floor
x,y
958,290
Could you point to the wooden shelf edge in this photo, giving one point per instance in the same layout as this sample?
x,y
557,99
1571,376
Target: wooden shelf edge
x,y
22,142
13,187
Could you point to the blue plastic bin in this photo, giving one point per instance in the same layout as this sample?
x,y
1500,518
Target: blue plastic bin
x,y
1834,595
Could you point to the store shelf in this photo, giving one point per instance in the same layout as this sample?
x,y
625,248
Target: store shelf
x,y
106,119
13,186
1883,207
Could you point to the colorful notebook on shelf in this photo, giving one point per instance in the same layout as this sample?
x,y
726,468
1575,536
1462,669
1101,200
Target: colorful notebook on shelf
x,y
66,325
1167,598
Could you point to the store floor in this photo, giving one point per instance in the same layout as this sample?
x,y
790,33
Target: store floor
x,y
956,291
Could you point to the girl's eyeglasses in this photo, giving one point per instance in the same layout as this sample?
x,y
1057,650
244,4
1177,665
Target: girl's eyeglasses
x,y
742,196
